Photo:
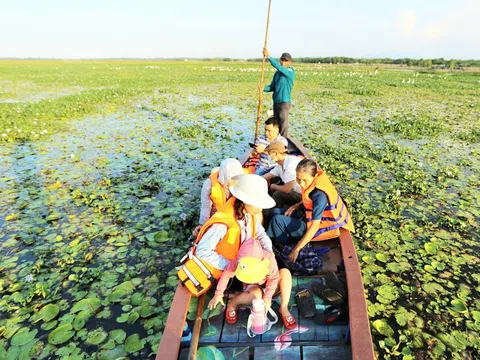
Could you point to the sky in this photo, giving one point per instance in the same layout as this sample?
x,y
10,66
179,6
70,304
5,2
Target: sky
x,y
236,28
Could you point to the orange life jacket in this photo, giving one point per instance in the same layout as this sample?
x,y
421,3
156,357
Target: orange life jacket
x,y
335,215
229,245
217,195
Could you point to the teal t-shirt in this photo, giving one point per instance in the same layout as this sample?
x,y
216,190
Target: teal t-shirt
x,y
282,82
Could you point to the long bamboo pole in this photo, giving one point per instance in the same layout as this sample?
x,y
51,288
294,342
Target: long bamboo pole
x,y
259,109
192,354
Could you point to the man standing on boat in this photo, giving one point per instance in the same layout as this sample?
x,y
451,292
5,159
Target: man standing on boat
x,y
281,86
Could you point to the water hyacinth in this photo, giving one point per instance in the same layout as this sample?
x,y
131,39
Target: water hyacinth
x,y
89,246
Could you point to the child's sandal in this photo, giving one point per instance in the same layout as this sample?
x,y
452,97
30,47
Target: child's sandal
x,y
231,316
289,321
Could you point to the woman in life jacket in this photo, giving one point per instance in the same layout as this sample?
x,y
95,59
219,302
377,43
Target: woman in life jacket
x,y
325,211
215,189
237,220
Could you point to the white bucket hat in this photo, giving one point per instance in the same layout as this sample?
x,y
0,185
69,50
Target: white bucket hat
x,y
252,190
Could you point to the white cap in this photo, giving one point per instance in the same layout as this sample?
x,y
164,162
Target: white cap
x,y
252,190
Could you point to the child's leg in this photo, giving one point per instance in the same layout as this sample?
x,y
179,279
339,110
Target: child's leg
x,y
285,287
245,298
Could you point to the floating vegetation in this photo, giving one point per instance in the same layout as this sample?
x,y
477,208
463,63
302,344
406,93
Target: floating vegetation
x,y
98,208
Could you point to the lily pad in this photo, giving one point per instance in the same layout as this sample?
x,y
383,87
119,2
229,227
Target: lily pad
x,y
118,335
383,328
96,337
23,337
116,353
49,312
161,237
61,334
147,311
91,304
381,257
458,306
133,344
431,248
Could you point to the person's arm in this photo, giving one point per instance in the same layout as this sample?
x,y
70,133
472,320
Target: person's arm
x,y
206,207
207,246
262,237
320,202
286,188
271,87
227,274
287,71
275,172
222,285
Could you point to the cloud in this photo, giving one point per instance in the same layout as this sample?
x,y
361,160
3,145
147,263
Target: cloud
x,y
406,21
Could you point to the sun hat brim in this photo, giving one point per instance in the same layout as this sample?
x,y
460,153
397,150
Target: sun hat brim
x,y
250,278
262,201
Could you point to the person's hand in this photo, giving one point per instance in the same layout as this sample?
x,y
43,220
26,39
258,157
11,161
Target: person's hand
x,y
196,230
290,210
265,53
215,301
268,304
273,187
260,148
293,255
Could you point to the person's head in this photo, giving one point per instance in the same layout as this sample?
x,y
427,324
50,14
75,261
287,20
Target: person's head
x,y
285,59
306,173
272,128
228,169
251,193
276,150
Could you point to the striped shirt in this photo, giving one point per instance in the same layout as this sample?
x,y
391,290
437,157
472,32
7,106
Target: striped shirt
x,y
265,162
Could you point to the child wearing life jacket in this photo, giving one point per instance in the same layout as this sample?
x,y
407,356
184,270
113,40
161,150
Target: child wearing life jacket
x,y
259,272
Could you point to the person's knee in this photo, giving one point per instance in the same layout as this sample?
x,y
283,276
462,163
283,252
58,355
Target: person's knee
x,y
256,291
285,274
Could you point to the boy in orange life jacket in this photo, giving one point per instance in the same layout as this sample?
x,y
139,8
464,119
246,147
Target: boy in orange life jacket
x,y
215,190
325,211
238,220
258,270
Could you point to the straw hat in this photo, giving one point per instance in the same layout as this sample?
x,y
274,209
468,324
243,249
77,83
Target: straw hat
x,y
252,190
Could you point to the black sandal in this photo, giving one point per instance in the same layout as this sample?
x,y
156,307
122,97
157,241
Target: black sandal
x,y
305,303
334,283
328,295
334,313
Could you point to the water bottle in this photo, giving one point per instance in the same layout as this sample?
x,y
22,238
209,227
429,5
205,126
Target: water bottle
x,y
258,321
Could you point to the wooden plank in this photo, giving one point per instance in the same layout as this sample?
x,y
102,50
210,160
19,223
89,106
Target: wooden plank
x,y
270,353
242,329
237,353
362,345
212,329
336,332
169,345
327,352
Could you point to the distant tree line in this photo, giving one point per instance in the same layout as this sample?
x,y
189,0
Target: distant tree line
x,y
428,63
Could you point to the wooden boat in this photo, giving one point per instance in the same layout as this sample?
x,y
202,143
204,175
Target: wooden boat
x,y
312,339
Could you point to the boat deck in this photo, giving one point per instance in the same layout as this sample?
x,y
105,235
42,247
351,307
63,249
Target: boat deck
x,y
312,340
